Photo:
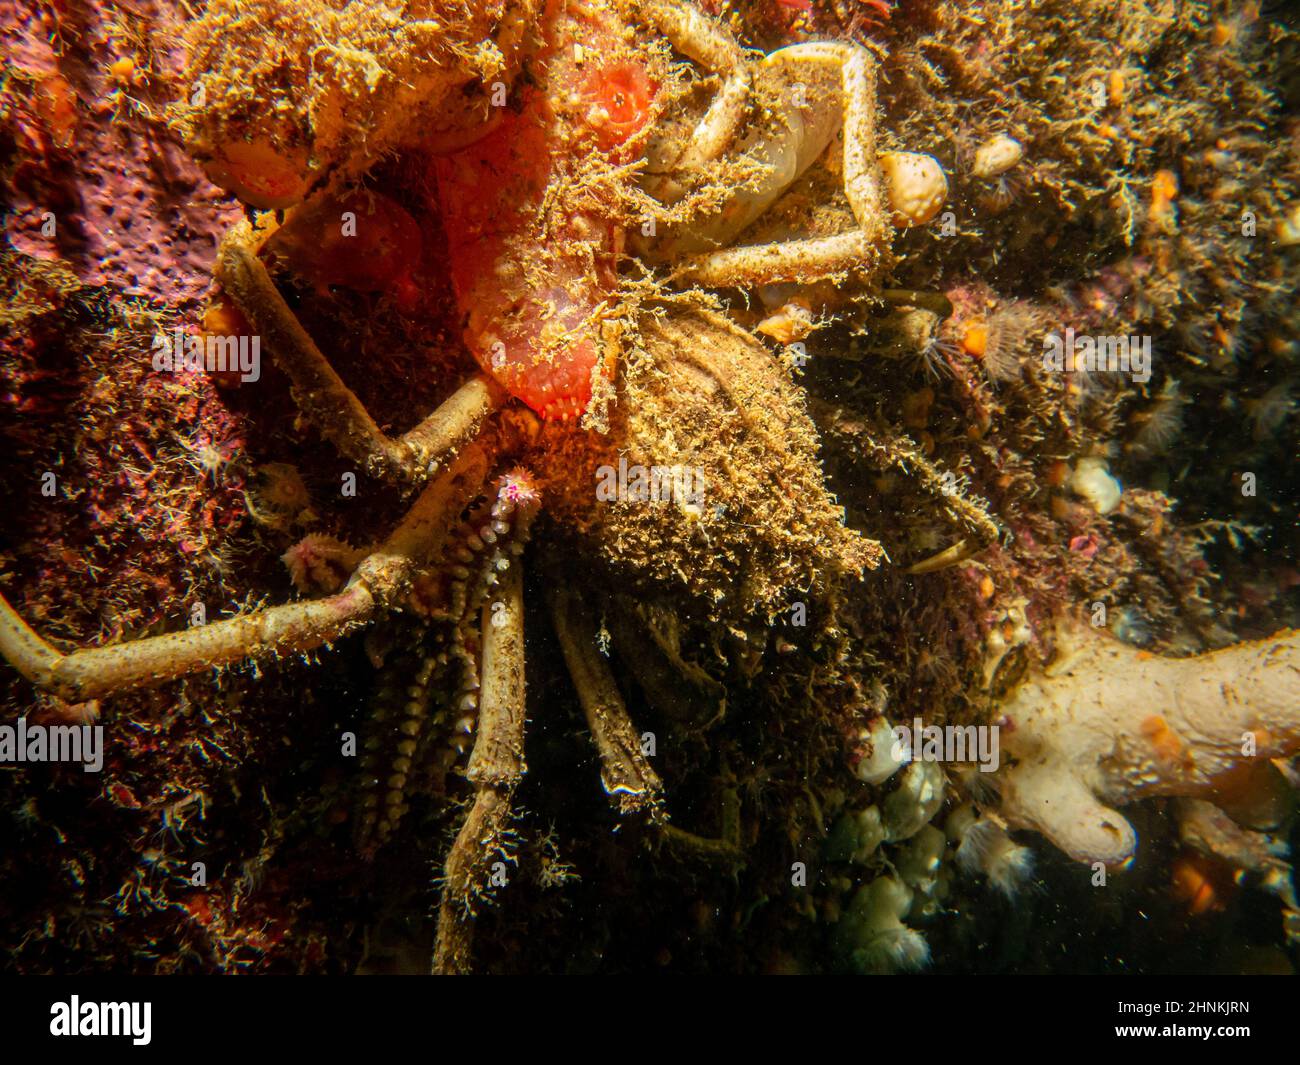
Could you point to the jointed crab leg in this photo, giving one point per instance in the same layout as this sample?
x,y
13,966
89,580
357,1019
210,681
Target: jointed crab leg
x,y
817,257
895,451
329,403
495,768
695,36
624,770
288,629
101,671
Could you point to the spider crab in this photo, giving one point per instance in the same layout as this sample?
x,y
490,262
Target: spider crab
x,y
535,199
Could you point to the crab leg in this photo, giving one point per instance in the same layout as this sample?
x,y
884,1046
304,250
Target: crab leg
x,y
818,257
949,556
624,770
288,629
330,404
699,39
101,671
895,451
495,769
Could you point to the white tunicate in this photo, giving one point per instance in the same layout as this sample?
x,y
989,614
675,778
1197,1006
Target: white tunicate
x,y
916,186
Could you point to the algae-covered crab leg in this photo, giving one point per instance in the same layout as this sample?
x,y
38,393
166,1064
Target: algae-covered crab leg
x,y
624,771
375,585
329,403
695,36
889,450
495,768
814,258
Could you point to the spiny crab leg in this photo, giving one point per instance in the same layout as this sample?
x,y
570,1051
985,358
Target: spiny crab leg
x,y
895,451
329,403
815,258
949,556
699,39
495,768
624,770
292,628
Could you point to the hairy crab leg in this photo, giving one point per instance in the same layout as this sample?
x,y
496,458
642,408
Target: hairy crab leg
x,y
292,628
815,258
701,40
495,768
888,450
330,404
484,546
625,772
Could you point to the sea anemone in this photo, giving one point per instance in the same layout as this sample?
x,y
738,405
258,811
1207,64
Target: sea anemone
x,y
1001,340
927,337
1160,424
873,930
986,847
1269,411
1014,330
